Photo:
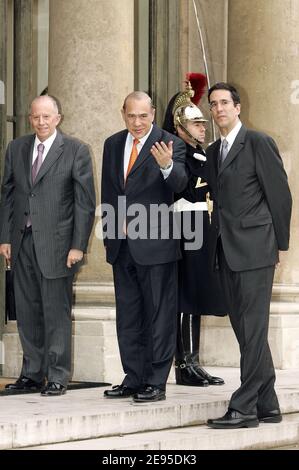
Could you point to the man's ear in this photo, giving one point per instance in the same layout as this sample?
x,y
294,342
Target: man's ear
x,y
153,113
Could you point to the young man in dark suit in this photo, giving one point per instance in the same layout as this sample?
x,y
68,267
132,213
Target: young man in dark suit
x,y
250,224
46,216
143,166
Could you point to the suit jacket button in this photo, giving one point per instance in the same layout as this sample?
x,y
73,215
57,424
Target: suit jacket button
x,y
22,231
25,213
32,194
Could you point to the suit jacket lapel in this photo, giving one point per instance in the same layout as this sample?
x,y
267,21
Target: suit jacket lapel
x,y
235,149
28,151
212,165
119,158
216,157
54,153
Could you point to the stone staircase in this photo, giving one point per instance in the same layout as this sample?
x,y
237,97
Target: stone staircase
x,y
83,419
95,350
195,438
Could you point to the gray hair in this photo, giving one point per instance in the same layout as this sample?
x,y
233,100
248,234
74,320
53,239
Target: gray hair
x,y
55,102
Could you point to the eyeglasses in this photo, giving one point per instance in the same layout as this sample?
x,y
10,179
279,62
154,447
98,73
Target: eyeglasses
x,y
223,103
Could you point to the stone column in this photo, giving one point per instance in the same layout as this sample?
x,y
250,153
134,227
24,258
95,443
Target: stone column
x,y
91,70
214,34
24,63
263,63
3,93
164,53
2,141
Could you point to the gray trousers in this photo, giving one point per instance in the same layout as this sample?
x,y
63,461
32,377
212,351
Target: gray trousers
x,y
43,310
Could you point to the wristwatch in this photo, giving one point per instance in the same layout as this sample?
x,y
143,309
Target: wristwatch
x,y
167,166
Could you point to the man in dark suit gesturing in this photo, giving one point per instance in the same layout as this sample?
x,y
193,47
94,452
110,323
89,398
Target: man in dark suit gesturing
x,y
142,168
46,216
250,224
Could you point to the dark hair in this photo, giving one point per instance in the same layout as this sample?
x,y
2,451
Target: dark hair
x,y
168,124
226,86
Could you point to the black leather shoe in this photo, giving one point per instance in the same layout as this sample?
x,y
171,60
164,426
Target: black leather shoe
x,y
232,420
23,383
212,380
185,374
149,393
273,416
53,389
120,391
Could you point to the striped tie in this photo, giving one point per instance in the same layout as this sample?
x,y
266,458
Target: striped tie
x,y
38,161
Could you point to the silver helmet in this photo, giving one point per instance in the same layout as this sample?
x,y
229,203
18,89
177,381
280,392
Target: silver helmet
x,y
187,112
184,110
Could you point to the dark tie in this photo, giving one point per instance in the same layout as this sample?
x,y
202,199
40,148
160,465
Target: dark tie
x,y
38,161
224,151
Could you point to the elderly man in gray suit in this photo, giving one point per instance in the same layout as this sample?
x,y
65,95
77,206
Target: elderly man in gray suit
x,y
46,216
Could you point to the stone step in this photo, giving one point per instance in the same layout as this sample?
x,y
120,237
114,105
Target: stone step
x,y
96,354
266,436
31,420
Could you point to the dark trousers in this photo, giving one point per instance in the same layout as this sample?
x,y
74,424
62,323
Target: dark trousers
x,y
43,308
146,306
249,295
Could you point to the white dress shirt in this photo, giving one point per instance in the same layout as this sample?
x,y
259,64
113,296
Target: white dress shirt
x,y
47,143
230,138
128,149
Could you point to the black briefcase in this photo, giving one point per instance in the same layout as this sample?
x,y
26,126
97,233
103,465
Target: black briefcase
x,y
10,307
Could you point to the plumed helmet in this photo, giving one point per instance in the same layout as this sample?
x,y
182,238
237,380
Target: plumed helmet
x,y
177,112
186,113
184,110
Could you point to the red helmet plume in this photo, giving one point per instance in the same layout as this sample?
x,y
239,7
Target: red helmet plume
x,y
198,82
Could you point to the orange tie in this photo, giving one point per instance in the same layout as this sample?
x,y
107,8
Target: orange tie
x,y
133,156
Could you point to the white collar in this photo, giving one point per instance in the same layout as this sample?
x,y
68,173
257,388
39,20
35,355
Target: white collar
x,y
230,138
48,142
143,139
